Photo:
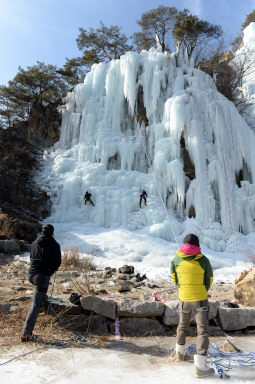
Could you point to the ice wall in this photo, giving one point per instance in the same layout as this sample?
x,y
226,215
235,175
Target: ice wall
x,y
245,58
200,148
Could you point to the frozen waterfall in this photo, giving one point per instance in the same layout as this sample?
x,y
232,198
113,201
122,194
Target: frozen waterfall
x,y
200,148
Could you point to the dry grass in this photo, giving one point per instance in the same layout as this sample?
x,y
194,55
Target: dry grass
x,y
11,326
50,329
71,259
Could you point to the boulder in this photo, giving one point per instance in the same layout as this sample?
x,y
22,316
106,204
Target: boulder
x,y
171,313
109,271
140,327
124,286
122,276
8,309
57,306
106,308
129,269
82,323
244,290
232,319
9,246
140,278
134,308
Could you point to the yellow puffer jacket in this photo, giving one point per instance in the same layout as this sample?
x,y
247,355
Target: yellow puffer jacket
x,y
193,276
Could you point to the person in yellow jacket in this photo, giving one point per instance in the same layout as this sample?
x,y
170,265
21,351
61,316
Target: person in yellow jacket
x,y
192,274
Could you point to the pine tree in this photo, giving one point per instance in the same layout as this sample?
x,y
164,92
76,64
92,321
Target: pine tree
x,y
195,36
103,43
35,85
250,18
157,25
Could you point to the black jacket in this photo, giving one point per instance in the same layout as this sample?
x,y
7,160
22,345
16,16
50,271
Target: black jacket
x,y
45,256
143,193
87,195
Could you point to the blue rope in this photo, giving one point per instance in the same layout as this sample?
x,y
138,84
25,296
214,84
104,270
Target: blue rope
x,y
223,361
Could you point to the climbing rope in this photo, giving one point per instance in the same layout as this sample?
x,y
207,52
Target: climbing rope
x,y
222,361
156,183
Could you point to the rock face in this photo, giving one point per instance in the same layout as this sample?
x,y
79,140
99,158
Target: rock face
x,y
22,202
244,290
9,246
43,126
106,308
134,308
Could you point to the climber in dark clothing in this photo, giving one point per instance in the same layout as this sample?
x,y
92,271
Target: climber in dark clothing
x,y
143,196
87,199
45,256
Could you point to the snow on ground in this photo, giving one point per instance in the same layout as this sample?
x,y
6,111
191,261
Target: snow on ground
x,y
128,361
148,254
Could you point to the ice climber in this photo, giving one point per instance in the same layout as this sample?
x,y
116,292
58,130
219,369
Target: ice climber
x,y
87,199
143,196
45,256
192,273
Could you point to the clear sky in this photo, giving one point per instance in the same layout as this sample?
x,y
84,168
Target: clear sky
x,y
46,30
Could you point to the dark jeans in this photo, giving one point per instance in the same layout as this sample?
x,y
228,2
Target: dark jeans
x,y
141,199
201,310
41,283
88,200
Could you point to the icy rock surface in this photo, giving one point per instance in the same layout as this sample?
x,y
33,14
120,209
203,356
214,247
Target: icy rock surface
x,y
200,148
245,58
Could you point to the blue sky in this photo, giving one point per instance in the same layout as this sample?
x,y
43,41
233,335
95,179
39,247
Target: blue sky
x,y
46,30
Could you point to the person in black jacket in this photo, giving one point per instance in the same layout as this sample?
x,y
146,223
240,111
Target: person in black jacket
x,y
143,196
87,199
45,256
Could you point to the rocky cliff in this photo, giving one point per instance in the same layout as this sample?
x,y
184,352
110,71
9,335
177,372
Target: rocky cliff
x,y
22,202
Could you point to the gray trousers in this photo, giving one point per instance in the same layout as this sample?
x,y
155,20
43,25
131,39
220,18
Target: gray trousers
x,y
201,309
41,283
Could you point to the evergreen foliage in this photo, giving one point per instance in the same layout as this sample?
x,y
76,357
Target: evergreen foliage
x,y
103,43
75,69
35,85
195,35
237,43
250,18
157,25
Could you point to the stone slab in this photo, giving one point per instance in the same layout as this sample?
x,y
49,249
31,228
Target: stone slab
x,y
106,308
232,319
135,308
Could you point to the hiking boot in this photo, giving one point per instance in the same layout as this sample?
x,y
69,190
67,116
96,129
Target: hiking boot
x,y
201,369
28,337
181,354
